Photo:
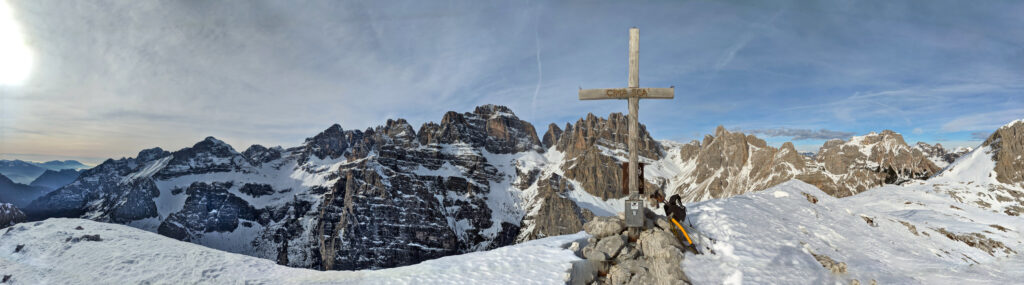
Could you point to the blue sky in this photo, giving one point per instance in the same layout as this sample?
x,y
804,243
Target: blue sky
x,y
112,77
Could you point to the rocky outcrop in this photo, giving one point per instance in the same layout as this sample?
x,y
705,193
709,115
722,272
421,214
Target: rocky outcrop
x,y
611,134
258,155
844,168
10,215
208,156
593,149
493,128
551,212
551,136
611,258
208,208
731,163
939,155
1006,145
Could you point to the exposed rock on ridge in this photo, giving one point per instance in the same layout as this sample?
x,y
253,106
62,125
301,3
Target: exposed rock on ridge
x,y
1007,149
731,163
865,162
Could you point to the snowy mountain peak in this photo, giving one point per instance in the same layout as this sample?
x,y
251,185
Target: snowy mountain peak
x,y
1013,124
211,142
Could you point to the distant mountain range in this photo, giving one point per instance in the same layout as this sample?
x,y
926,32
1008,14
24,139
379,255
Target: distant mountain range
x,y
24,181
53,179
19,194
25,172
390,195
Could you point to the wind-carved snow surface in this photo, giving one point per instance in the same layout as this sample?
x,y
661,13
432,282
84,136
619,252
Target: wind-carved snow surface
x,y
944,230
54,252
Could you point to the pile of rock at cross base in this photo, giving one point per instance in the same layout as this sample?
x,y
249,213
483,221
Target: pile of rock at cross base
x,y
610,258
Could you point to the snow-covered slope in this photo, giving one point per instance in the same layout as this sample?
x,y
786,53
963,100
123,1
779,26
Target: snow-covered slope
x,y
961,226
78,251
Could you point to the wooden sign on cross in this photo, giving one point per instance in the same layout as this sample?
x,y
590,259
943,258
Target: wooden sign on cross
x,y
633,93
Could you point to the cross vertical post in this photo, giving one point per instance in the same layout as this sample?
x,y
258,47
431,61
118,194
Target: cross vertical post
x,y
634,108
633,207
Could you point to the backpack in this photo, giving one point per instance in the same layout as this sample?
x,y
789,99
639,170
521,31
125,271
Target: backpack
x,y
675,209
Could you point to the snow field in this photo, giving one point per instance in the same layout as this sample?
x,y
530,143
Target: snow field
x,y
126,255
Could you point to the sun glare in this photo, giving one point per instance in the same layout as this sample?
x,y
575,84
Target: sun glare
x,y
15,56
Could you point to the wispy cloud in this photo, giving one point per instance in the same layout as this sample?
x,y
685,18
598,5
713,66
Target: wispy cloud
x,y
980,135
112,77
803,134
540,71
983,121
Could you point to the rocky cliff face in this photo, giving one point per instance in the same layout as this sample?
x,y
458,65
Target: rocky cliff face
x,y
593,149
1006,145
551,211
731,163
579,175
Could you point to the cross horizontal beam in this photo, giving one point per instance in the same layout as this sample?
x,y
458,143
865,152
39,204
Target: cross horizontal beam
x,y
626,93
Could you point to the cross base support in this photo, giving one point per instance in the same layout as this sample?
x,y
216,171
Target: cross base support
x,y
634,213
634,217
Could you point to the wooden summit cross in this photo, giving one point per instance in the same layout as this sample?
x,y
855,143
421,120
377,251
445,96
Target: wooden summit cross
x,y
634,206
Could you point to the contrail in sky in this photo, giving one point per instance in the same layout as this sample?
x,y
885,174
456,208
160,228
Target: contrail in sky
x,y
540,73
